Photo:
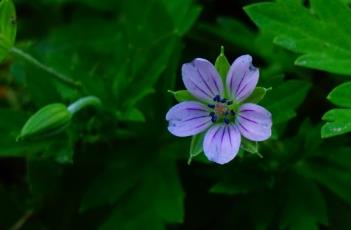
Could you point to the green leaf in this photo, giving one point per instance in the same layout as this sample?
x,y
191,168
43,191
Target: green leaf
x,y
182,95
341,95
338,122
196,146
257,95
222,65
8,27
310,33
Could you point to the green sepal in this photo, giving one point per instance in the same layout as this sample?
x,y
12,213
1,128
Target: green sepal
x,y
48,121
196,146
250,146
257,95
182,95
222,65
8,27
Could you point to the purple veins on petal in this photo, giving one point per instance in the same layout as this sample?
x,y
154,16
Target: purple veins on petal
x,y
202,80
188,118
242,78
254,122
221,143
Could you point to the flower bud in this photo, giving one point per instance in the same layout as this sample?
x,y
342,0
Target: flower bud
x,y
49,120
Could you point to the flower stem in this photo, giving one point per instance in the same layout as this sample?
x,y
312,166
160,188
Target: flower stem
x,y
59,76
84,102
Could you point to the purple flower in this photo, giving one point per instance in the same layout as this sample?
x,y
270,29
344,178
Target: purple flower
x,y
219,111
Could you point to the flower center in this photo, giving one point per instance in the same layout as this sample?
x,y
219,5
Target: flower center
x,y
221,110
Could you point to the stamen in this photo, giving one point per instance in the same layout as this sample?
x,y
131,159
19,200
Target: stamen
x,y
217,98
211,106
232,112
223,100
212,114
229,102
226,120
214,118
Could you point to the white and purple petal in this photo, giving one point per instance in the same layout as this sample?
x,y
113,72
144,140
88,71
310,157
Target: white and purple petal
x,y
188,118
242,78
202,80
254,122
222,143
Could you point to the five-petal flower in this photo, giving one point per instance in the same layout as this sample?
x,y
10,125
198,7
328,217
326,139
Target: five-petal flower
x,y
220,111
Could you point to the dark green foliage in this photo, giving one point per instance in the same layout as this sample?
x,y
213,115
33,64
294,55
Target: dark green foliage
x,y
117,167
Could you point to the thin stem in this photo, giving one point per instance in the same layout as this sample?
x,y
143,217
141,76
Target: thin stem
x,y
59,76
84,102
22,221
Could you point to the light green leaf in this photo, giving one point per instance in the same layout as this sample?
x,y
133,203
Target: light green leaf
x,y
319,34
222,65
182,95
8,27
338,122
341,95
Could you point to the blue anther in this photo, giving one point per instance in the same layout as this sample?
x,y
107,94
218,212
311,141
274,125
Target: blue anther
x,y
212,114
214,118
232,112
223,100
211,106
229,102
226,120
217,98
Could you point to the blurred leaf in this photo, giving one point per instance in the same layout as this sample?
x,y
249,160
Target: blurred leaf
x,y
309,34
8,27
332,170
284,99
9,209
163,204
44,180
240,181
104,190
305,207
131,115
257,44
